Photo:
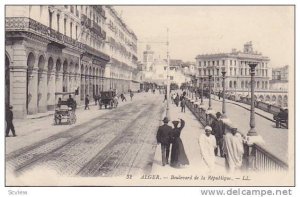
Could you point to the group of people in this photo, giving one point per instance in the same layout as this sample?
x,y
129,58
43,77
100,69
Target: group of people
x,y
214,142
167,136
182,99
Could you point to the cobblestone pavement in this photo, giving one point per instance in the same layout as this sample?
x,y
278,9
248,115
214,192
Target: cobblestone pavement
x,y
110,144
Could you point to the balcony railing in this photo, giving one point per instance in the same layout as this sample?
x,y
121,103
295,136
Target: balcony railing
x,y
86,21
255,157
28,24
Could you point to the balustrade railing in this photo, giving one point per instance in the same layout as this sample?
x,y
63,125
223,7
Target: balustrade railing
x,y
256,157
28,24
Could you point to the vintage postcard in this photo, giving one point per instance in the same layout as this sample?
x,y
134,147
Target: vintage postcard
x,y
140,95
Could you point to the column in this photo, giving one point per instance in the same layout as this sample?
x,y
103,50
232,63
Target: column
x,y
42,91
58,84
223,104
209,86
87,83
51,91
18,82
82,87
32,91
252,131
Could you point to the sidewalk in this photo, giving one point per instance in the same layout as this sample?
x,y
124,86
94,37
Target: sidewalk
x,y
189,137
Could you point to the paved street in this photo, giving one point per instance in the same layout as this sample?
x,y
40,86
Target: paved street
x,y
99,144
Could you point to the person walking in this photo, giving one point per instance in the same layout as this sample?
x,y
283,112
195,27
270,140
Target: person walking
x,y
218,131
182,104
131,95
207,144
163,138
9,116
178,156
123,97
233,150
87,101
177,100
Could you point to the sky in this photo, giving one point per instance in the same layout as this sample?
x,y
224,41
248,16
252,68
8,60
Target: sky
x,y
197,30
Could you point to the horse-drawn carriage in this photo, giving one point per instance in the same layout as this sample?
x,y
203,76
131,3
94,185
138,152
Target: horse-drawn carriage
x,y
65,111
108,99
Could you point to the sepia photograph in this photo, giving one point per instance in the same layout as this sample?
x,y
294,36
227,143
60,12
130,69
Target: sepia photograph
x,y
149,95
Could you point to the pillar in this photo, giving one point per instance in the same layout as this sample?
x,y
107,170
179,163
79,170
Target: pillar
x,y
18,82
58,84
252,131
32,90
42,91
82,86
51,91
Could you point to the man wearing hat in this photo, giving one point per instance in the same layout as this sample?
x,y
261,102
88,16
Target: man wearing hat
x,y
207,143
164,138
9,122
218,131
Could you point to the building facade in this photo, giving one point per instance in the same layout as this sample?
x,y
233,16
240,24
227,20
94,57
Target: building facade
x,y
280,78
53,51
122,47
237,83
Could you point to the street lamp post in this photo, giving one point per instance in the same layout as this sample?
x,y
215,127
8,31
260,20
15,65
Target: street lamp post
x,y
223,104
252,131
218,79
201,79
209,86
168,77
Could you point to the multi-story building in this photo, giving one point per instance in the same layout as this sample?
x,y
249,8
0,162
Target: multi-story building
x,y
237,83
52,51
237,70
280,78
122,47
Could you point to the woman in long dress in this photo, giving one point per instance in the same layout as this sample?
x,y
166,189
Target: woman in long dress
x,y
178,156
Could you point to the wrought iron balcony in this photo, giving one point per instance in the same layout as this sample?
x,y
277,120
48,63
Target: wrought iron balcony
x,y
27,24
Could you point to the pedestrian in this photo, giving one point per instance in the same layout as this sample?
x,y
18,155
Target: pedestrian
x,y
9,116
87,101
131,95
182,104
95,99
123,97
219,95
166,98
177,100
233,150
207,144
163,138
178,156
218,131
